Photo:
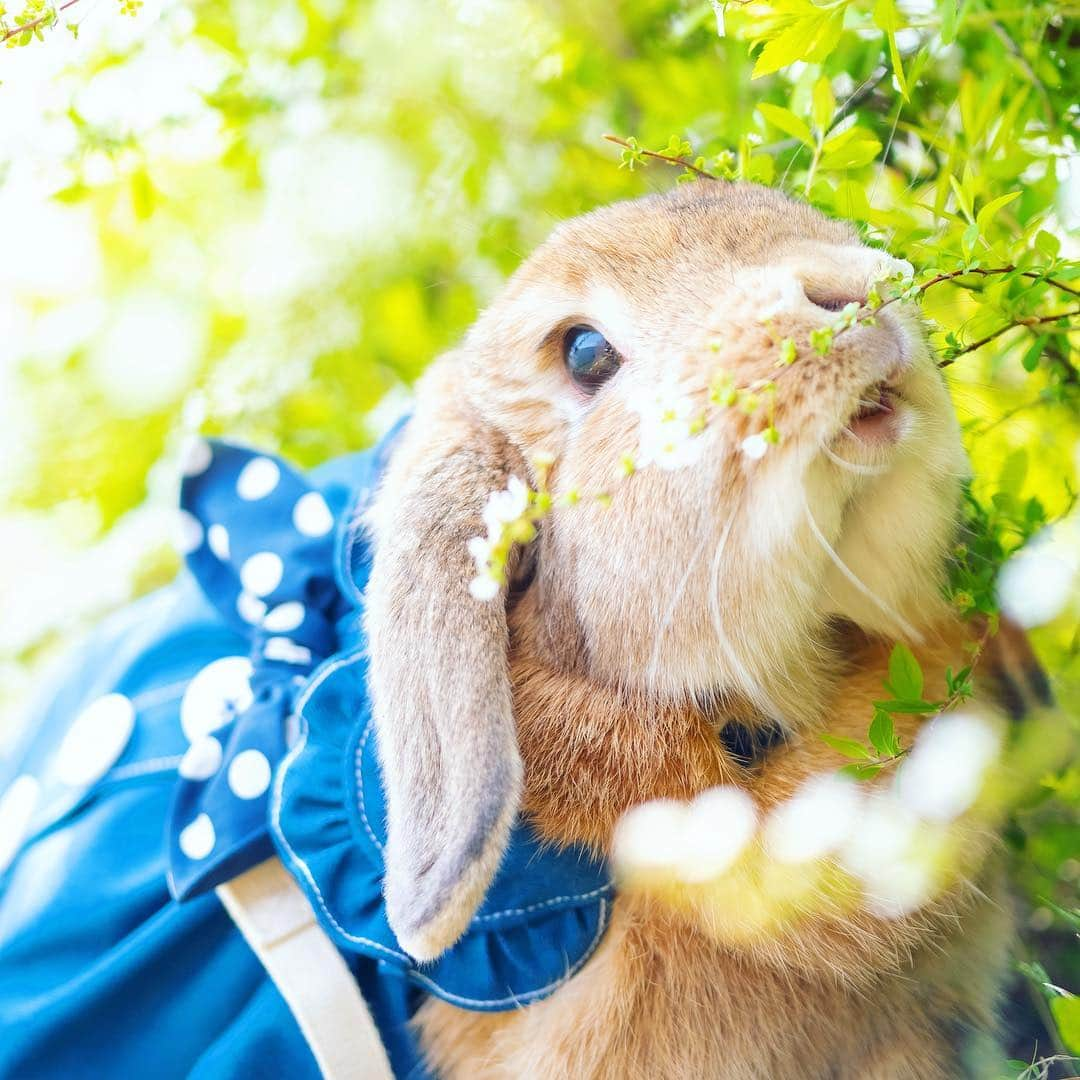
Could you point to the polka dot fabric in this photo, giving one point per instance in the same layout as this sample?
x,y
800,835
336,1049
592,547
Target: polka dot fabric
x,y
258,539
156,766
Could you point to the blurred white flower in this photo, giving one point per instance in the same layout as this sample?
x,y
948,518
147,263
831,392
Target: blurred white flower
x,y
669,434
645,834
484,587
755,446
815,821
719,823
941,776
505,507
696,842
1039,582
505,515
885,853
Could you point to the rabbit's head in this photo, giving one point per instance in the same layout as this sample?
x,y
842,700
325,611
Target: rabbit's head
x,y
644,332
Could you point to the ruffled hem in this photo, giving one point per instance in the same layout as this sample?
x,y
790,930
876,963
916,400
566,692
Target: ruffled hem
x,y
544,915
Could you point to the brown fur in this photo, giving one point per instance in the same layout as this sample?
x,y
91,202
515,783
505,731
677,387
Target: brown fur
x,y
840,995
759,592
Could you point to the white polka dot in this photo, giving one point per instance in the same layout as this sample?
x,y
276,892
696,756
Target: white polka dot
x,y
17,806
215,695
311,515
250,608
261,573
197,839
188,533
202,760
195,458
288,652
284,617
249,774
257,479
95,740
217,536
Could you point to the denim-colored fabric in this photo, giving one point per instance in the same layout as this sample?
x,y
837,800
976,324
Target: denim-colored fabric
x,y
106,972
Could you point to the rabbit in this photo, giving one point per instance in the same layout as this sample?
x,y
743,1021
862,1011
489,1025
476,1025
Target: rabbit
x,y
636,630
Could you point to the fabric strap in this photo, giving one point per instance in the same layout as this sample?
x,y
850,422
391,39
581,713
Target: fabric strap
x,y
277,922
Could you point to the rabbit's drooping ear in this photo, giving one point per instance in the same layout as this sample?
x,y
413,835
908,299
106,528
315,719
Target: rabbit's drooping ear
x,y
438,674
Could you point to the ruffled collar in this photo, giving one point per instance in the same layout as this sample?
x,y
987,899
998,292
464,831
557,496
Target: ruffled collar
x,y
292,764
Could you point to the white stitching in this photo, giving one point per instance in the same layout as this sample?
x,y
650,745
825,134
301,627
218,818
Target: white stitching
x,y
491,915
543,904
360,782
275,814
521,999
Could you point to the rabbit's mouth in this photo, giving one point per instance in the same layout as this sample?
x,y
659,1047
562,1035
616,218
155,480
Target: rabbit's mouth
x,y
876,421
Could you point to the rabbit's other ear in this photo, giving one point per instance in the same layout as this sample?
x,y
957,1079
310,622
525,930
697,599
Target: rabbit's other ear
x,y
438,673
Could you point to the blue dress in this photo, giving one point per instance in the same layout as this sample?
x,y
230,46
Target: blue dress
x,y
211,725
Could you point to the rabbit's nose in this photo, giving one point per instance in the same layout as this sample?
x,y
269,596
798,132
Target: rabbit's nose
x,y
833,276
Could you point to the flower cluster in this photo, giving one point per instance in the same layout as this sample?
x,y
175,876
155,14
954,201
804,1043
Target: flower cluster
x,y
510,516
669,431
887,841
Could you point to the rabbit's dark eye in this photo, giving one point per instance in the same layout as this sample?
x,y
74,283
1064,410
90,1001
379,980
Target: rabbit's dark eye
x,y
590,357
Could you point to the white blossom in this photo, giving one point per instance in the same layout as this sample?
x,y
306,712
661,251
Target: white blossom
x,y
887,853
942,775
755,446
1038,583
505,512
695,842
815,821
484,587
505,507
719,824
669,434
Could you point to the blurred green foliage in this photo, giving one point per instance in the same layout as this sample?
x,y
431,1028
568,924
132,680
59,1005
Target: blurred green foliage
x,y
265,217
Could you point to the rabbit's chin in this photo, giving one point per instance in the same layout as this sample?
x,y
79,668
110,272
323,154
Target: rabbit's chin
x,y
737,599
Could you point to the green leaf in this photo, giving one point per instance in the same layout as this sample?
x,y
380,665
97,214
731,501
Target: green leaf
x,y
1047,244
948,10
882,734
909,708
1066,1012
823,104
859,771
1013,472
905,674
810,36
986,215
887,18
790,45
1030,360
850,748
849,149
962,199
850,200
787,122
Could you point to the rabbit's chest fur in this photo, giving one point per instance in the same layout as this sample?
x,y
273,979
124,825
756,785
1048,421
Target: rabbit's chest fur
x,y
833,997
660,999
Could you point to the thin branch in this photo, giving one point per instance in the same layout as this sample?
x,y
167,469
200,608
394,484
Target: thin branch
x,y
670,159
1030,321
49,17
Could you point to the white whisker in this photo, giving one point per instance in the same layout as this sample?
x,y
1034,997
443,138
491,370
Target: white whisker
x,y
670,614
909,631
852,466
749,684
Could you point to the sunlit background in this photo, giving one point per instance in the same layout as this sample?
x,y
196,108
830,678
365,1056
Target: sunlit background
x,y
265,218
